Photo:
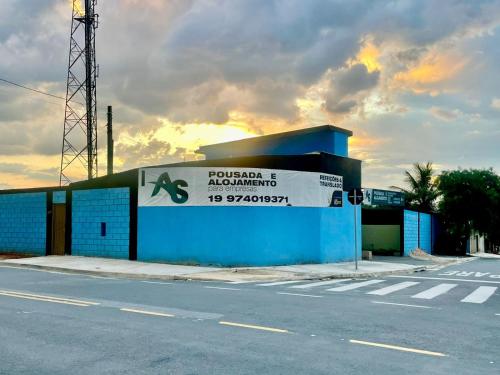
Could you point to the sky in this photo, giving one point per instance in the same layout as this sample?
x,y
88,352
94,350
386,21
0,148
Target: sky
x,y
414,80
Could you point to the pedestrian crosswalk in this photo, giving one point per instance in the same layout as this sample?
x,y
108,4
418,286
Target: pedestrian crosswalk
x,y
393,288
435,291
422,290
281,283
355,285
480,295
319,283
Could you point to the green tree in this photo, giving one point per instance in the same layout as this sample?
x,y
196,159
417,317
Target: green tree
x,y
470,201
421,192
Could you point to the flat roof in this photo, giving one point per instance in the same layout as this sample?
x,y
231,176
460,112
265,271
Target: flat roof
x,y
264,138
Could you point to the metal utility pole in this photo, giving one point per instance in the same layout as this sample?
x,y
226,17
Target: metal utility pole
x,y
79,148
110,140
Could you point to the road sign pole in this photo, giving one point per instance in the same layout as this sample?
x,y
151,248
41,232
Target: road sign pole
x,y
355,232
355,196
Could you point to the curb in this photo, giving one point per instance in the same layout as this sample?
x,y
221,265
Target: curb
x,y
495,257
181,277
121,275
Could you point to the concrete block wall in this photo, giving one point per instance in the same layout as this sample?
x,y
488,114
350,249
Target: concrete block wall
x,y
91,208
59,197
425,232
23,222
410,231
418,232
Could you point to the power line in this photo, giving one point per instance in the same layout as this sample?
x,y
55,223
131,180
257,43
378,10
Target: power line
x,y
32,89
44,93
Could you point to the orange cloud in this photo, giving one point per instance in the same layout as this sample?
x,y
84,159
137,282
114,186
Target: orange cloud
x,y
192,136
432,71
368,56
30,170
362,142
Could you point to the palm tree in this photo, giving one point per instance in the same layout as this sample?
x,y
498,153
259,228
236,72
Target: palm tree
x,y
422,187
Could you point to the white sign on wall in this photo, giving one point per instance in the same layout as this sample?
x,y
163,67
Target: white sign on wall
x,y
206,186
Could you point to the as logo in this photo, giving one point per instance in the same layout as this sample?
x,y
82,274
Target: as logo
x,y
177,194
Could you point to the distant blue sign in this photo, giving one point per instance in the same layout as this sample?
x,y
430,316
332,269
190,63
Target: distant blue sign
x,y
377,197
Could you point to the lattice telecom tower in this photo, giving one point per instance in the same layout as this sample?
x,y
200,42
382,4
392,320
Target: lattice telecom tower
x,y
79,146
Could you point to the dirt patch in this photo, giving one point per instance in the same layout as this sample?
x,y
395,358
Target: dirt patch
x,y
420,254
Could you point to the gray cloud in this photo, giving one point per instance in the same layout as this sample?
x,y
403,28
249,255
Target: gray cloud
x,y
411,55
242,43
444,114
339,107
346,84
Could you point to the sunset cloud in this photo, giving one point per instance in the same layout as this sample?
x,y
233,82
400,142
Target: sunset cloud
x,y
444,114
431,73
369,57
409,78
495,103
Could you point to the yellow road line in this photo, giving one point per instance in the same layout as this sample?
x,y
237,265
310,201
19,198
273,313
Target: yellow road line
x,y
400,348
262,328
148,312
50,297
42,299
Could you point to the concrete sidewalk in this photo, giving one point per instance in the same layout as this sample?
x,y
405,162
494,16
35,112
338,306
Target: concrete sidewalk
x,y
486,255
158,271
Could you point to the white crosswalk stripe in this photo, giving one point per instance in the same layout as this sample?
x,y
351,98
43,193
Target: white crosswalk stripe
x,y
393,288
480,295
319,283
281,283
355,285
435,291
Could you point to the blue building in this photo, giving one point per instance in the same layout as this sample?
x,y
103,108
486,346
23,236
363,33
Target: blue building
x,y
108,217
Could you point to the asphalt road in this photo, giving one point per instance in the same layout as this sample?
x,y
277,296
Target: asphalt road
x,y
441,322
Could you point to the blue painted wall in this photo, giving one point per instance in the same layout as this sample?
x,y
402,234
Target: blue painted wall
x,y
59,197
23,222
337,233
332,142
418,232
425,232
340,145
410,242
90,209
253,236
435,231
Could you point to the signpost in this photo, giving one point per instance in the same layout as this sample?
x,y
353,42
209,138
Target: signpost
x,y
355,197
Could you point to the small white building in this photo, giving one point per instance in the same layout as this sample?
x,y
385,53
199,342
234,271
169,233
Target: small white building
x,y
476,243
